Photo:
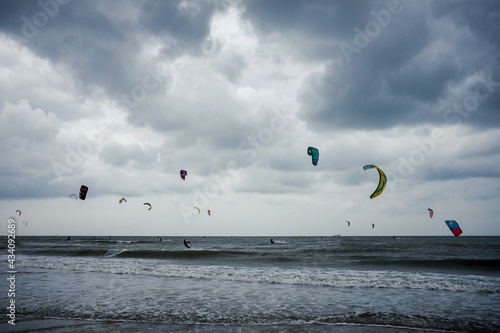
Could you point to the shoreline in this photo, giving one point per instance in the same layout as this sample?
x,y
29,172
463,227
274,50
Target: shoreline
x,y
97,326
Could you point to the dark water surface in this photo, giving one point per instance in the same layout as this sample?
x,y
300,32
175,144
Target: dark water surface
x,y
438,283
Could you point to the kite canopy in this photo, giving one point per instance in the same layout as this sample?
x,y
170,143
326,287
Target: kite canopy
x,y
122,200
208,211
18,211
348,223
71,195
197,209
381,183
148,204
431,212
25,223
183,174
454,227
83,192
373,225
314,152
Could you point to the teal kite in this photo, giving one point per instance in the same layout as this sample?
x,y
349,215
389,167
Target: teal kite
x,y
314,152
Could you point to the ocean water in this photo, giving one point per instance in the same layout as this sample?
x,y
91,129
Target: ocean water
x,y
439,283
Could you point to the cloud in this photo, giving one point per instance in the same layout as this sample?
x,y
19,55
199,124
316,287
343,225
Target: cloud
x,y
25,170
122,155
121,96
402,76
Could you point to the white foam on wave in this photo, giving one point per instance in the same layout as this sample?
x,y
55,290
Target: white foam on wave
x,y
294,276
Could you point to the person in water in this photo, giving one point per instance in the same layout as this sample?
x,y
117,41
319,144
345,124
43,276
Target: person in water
x,y
272,242
186,243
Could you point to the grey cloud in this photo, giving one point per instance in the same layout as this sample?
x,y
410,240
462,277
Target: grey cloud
x,y
26,135
134,154
104,49
187,23
231,66
400,78
308,27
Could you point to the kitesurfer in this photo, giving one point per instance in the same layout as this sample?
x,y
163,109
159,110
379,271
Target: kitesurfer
x,y
186,243
272,242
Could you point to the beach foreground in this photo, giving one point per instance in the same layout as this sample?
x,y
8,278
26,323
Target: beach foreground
x,y
67,325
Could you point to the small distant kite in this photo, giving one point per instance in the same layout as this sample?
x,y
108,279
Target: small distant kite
x,y
431,212
122,200
197,209
183,174
454,227
373,225
148,204
73,195
18,211
208,211
25,223
348,223
314,152
382,180
83,192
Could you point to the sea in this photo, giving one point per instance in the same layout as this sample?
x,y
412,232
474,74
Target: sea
x,y
300,284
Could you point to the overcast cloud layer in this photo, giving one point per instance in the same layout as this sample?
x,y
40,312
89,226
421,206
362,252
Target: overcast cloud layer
x,y
121,95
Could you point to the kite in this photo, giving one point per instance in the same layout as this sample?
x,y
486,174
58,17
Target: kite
x,y
208,212
148,204
453,225
198,209
381,183
25,223
314,152
18,211
74,196
122,200
373,225
83,192
431,212
348,223
183,174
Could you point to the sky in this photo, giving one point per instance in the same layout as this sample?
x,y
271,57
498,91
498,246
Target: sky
x,y
121,95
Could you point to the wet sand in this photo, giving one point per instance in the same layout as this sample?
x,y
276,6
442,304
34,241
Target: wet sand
x,y
69,326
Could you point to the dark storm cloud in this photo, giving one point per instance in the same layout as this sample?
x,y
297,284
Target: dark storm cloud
x,y
392,63
187,23
101,47
481,17
308,27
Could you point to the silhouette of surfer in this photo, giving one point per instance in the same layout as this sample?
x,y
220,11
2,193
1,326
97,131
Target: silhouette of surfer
x,y
272,242
186,244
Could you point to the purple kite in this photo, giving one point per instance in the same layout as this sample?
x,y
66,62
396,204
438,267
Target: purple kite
x,y
183,174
